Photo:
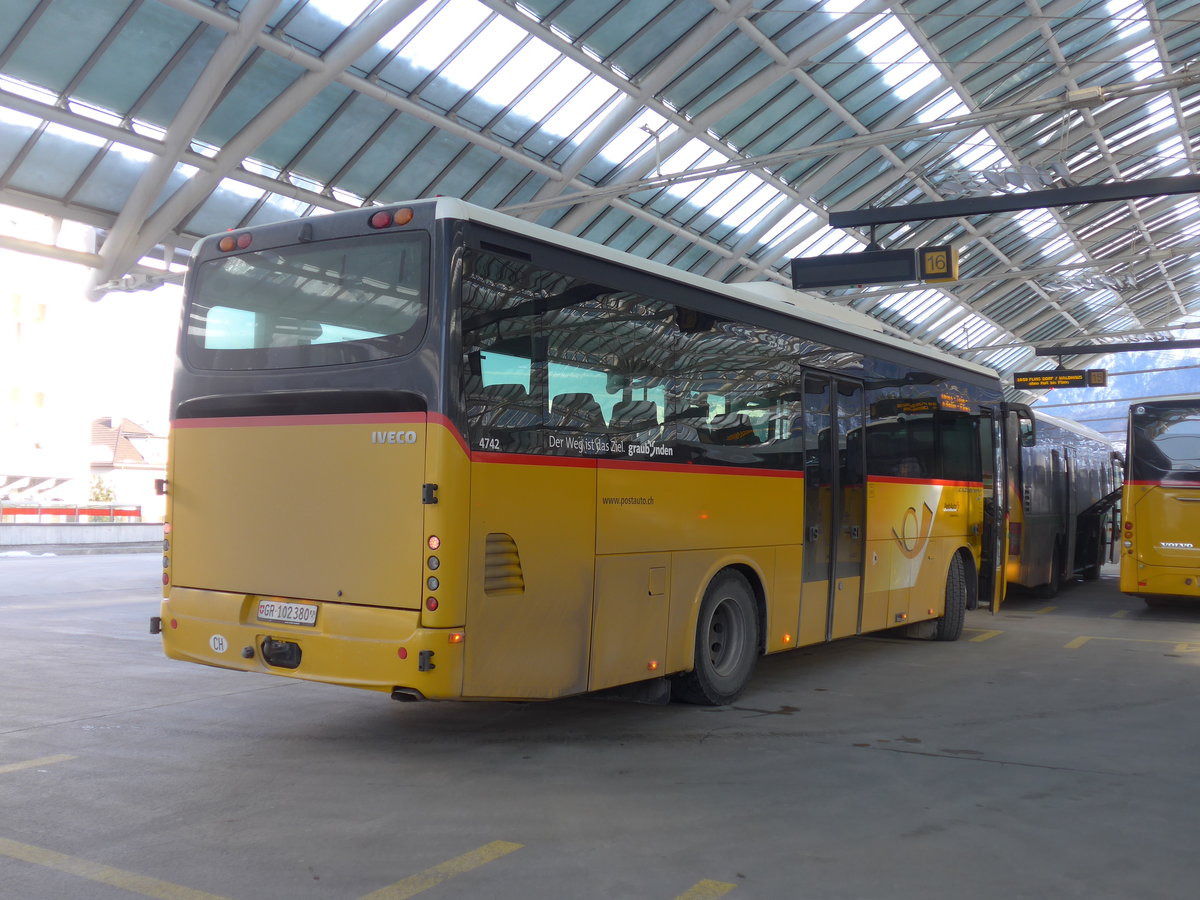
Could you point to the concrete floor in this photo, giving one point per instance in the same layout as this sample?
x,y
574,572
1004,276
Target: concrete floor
x,y
1053,752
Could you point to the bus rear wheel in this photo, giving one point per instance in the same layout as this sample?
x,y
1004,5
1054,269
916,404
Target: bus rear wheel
x,y
950,626
726,643
1050,589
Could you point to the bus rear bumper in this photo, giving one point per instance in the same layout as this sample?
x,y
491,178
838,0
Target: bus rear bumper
x,y
368,647
1161,581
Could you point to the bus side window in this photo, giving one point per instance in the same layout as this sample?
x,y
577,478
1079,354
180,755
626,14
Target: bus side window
x,y
959,449
504,406
887,449
730,430
685,426
635,420
502,415
576,412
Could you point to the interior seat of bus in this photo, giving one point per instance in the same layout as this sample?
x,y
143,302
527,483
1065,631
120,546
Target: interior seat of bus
x,y
730,429
576,412
503,406
635,419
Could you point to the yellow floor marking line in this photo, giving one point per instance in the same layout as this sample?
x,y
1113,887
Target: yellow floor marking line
x,y
434,876
707,890
35,763
1179,646
1120,614
126,881
1044,610
984,635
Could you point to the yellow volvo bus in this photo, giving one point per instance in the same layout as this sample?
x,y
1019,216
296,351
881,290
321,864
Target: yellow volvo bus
x,y
437,452
1160,552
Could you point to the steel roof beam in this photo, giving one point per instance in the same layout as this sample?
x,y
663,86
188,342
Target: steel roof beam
x,y
638,96
979,206
349,47
129,138
124,245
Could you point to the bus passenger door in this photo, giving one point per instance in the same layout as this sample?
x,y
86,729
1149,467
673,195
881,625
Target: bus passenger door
x,y
994,540
845,593
1017,431
819,456
834,509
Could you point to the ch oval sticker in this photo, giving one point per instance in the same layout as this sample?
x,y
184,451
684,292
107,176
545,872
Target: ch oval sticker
x,y
218,643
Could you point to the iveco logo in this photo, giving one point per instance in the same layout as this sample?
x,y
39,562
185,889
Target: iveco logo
x,y
393,437
1176,545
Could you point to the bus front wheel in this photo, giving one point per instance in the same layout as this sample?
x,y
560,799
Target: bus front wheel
x,y
950,626
726,643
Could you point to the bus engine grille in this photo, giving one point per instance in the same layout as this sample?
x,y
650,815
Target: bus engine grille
x,y
502,572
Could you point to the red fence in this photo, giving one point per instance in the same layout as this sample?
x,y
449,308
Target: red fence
x,y
26,514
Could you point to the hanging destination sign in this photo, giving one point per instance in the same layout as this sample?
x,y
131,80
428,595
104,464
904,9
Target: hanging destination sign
x,y
1060,378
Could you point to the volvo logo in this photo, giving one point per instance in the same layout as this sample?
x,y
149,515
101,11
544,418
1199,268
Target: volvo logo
x,y
1176,545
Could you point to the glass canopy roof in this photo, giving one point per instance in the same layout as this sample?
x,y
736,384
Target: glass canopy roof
x,y
712,135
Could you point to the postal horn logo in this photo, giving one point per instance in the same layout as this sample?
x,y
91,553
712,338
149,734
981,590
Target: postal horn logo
x,y
914,531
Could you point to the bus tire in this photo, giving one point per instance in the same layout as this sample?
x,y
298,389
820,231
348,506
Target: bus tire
x,y
950,626
1050,589
726,643
1092,572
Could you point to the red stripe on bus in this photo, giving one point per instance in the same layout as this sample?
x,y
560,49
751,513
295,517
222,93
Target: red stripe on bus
x,y
290,421
528,459
524,459
327,419
105,511
439,419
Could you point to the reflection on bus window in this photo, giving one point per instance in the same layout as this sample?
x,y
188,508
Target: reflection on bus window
x,y
312,304
1166,442
615,373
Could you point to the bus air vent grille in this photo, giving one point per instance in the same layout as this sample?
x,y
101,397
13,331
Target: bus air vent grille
x,y
502,573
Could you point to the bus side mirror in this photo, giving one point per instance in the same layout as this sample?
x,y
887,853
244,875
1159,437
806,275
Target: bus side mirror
x,y
1026,430
1026,425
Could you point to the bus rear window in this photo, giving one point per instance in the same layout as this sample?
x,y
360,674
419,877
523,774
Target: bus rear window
x,y
1165,442
324,303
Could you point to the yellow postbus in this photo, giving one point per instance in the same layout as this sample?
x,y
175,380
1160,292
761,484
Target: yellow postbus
x,y
437,452
1160,509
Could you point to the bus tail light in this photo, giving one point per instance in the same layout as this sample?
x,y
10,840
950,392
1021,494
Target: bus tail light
x,y
231,242
456,637
386,218
1128,542
432,563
